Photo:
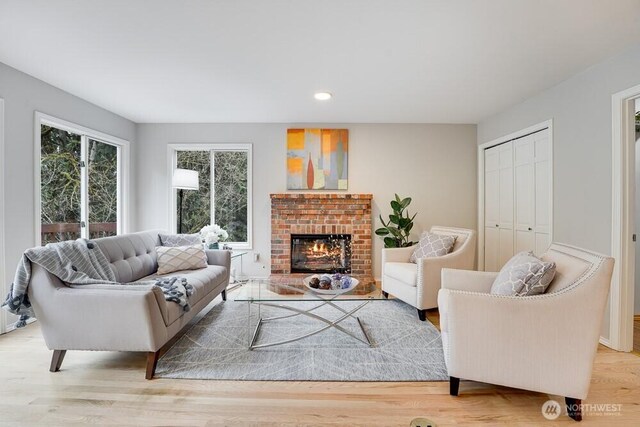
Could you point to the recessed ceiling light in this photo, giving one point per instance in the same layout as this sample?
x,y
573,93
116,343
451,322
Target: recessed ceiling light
x,y
322,96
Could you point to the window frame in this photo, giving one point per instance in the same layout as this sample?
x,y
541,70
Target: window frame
x,y
212,147
86,134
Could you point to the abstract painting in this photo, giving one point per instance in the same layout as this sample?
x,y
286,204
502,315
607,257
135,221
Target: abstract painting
x,y
317,159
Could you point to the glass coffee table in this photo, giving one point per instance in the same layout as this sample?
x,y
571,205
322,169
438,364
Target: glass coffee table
x,y
291,296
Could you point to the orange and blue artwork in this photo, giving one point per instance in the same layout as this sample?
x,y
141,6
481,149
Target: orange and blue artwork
x,y
317,159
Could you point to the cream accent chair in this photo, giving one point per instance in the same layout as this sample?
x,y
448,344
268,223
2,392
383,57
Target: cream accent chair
x,y
544,343
418,283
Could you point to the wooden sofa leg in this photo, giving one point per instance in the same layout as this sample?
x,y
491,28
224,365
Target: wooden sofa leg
x,y
454,386
422,314
385,294
574,409
56,360
152,362
224,295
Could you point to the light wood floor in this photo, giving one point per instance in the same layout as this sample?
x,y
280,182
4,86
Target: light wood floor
x,y
109,388
636,334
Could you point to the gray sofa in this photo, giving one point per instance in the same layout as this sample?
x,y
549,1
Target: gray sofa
x,y
122,317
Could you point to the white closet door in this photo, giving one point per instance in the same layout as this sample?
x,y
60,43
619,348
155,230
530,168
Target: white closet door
x,y
498,206
542,185
506,204
524,176
492,208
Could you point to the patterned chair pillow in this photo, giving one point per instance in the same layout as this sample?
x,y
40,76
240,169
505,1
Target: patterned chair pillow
x,y
177,258
432,245
524,275
173,240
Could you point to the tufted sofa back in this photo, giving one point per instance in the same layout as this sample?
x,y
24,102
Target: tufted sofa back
x,y
132,256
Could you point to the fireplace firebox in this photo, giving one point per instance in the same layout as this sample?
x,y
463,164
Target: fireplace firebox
x,y
321,253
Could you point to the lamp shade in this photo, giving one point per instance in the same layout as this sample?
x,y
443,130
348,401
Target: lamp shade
x,y
185,179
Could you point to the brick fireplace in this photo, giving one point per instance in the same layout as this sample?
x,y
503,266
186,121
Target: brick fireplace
x,y
317,214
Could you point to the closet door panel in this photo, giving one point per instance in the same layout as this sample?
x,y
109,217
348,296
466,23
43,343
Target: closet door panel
x,y
524,194
492,188
491,248
542,168
506,246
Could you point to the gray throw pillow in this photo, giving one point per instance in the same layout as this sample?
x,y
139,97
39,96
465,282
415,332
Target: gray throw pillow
x,y
433,245
173,240
524,275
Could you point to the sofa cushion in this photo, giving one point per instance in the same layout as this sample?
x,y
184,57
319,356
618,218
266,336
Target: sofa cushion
x,y
132,256
180,239
180,258
524,275
203,281
433,245
402,271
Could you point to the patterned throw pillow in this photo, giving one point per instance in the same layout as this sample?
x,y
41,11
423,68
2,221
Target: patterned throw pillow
x,y
524,275
178,258
433,245
180,239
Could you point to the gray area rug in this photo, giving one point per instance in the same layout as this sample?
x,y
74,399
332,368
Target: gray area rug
x,y
406,349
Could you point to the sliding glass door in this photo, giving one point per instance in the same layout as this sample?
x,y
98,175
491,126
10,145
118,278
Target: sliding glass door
x,y
79,186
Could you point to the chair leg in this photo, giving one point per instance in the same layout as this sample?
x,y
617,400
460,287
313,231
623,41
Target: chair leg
x,y
56,360
422,314
574,409
224,295
454,386
152,362
385,294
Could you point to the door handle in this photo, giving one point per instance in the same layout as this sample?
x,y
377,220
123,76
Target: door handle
x,y
530,229
497,225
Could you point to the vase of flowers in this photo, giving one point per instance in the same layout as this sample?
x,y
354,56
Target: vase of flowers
x,y
212,235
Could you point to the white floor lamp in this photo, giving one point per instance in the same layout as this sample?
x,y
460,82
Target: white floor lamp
x,y
184,179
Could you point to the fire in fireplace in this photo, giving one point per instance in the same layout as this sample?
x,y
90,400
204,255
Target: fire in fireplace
x,y
321,253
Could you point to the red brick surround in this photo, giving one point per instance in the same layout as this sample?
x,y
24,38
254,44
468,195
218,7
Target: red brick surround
x,y
312,213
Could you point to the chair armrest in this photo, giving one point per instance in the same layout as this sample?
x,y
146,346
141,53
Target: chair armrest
x,y
397,254
467,280
544,343
221,258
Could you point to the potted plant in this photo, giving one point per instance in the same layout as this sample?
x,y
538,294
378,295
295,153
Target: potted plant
x,y
213,234
397,230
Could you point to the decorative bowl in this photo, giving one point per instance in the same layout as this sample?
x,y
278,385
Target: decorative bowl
x,y
307,283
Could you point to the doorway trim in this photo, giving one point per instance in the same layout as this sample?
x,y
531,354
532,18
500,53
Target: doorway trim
x,y
3,270
623,220
548,124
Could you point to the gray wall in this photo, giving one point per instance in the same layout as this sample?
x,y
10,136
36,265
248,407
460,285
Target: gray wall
x,y
434,164
581,111
23,95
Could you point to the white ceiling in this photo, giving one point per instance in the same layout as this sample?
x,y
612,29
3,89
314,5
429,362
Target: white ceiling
x,y
423,61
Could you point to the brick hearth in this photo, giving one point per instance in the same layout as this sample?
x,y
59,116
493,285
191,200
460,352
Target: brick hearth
x,y
306,213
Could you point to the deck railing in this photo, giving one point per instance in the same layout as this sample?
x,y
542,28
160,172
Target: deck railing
x,y
70,231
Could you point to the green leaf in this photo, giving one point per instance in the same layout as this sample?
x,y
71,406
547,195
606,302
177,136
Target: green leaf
x,y
405,202
390,242
394,231
397,198
395,219
382,221
396,207
382,231
403,222
409,227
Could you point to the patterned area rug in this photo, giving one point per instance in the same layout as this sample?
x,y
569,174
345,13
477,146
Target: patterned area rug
x,y
406,349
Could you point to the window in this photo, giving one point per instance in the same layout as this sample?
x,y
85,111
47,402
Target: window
x,y
80,182
224,196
